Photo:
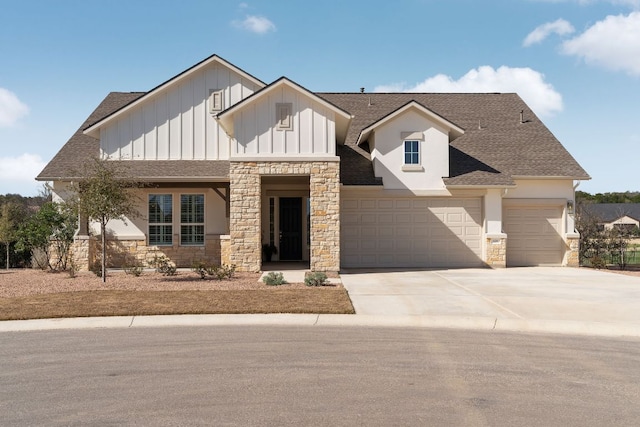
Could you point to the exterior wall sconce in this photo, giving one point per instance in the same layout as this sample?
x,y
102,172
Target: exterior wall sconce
x,y
570,206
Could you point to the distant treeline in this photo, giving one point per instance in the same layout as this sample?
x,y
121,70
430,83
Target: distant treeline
x,y
626,197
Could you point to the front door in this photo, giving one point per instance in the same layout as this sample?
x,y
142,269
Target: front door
x,y
290,228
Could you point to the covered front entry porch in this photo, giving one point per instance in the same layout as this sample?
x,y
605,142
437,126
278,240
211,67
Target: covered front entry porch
x,y
286,218
291,206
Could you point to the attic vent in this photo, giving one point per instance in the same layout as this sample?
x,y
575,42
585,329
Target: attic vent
x,y
283,116
216,103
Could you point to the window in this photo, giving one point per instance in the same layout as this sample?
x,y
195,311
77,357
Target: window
x,y
160,219
412,152
216,103
192,219
283,116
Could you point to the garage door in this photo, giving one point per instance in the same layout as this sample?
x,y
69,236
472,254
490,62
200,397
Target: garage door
x,y
533,235
411,232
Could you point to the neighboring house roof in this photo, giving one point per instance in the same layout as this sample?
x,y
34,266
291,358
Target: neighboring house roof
x,y
609,212
494,149
495,146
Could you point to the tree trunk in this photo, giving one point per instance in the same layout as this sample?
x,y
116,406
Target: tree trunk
x,y
103,227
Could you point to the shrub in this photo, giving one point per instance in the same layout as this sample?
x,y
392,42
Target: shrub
x,y
96,268
163,265
317,278
274,279
73,268
201,268
220,272
135,270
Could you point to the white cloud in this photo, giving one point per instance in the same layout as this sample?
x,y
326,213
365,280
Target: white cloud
x,y
17,174
559,27
528,83
255,24
612,43
11,108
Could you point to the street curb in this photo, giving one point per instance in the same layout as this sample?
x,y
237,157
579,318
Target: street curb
x,y
602,329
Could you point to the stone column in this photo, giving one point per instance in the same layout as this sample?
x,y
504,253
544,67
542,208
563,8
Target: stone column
x,y
225,249
496,249
572,253
244,227
83,252
324,191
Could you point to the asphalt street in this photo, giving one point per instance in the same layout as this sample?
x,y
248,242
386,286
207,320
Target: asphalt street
x,y
316,376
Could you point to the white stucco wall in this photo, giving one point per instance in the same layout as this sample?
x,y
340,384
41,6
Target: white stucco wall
x,y
387,152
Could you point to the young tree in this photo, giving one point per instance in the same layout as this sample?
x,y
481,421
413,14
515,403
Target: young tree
x,y
106,193
593,237
54,223
11,214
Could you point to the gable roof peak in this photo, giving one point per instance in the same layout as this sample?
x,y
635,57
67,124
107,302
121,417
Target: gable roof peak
x,y
94,128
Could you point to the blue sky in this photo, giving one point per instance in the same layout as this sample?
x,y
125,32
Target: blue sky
x,y
575,62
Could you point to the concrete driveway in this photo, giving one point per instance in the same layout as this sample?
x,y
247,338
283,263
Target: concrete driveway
x,y
533,298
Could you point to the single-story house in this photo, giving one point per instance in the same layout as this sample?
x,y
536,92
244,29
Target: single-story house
x,y
624,216
337,180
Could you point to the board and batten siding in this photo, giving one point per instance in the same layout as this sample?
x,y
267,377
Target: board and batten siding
x,y
176,123
312,131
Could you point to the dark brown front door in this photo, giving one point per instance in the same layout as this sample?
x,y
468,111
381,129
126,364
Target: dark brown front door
x,y
290,228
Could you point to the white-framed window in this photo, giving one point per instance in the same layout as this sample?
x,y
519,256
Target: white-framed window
x,y
192,219
283,116
216,100
160,219
411,152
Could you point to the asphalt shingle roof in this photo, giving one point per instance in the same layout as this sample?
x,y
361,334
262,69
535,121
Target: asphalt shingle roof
x,y
81,148
495,148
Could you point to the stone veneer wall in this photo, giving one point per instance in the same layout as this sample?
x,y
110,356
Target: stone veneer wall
x,y
324,190
83,252
121,253
245,200
572,254
496,252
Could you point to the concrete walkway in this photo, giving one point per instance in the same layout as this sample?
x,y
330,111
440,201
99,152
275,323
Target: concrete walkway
x,y
551,300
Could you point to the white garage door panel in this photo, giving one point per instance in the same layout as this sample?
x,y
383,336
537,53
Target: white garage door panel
x,y
534,235
409,232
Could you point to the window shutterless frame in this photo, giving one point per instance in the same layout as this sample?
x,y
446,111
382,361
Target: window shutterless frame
x,y
160,219
192,219
411,152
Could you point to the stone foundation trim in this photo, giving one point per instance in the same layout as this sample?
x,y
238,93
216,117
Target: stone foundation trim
x,y
572,250
496,250
128,252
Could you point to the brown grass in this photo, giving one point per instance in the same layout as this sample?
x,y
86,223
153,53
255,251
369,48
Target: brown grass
x,y
58,296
